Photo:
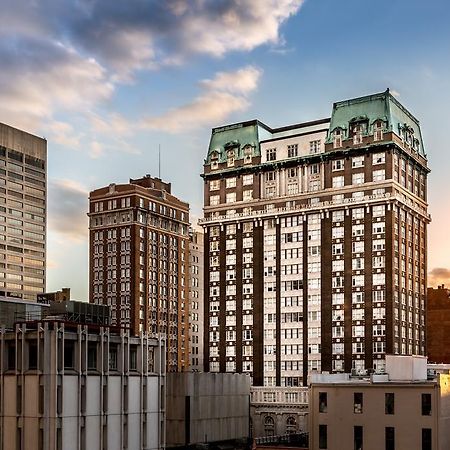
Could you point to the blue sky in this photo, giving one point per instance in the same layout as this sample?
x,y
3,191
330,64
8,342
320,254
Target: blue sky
x,y
107,82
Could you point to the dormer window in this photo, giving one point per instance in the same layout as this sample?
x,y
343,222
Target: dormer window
x,y
378,130
357,134
214,160
247,154
230,158
337,138
416,145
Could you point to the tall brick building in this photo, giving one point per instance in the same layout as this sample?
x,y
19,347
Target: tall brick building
x,y
438,325
315,243
139,247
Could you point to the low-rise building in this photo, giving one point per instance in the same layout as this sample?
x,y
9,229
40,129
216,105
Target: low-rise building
x,y
277,411
399,410
78,386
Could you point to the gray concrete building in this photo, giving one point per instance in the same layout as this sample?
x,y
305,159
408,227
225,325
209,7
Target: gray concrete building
x,y
73,386
196,313
205,408
23,208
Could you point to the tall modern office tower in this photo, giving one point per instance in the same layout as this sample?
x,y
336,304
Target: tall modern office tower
x,y
315,243
23,168
139,256
196,307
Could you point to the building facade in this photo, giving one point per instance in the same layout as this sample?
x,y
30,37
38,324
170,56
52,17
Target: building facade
x,y
139,261
277,411
196,300
438,325
315,243
23,206
402,412
76,386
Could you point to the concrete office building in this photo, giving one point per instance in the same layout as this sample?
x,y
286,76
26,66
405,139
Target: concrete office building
x,y
315,243
400,410
23,203
196,300
207,408
139,261
74,386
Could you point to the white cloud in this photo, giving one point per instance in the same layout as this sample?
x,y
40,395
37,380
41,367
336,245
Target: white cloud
x,y
68,206
223,95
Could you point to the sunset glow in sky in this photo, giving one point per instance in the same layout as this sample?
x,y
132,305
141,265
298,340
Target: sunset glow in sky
x,y
107,82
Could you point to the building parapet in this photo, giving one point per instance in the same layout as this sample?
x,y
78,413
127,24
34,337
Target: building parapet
x,y
279,395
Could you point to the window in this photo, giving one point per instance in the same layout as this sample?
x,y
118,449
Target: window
x,y
389,403
230,158
92,357
357,134
337,138
390,438
247,180
270,176
112,358
231,197
247,195
357,161
230,182
133,357
323,437
358,402
426,439
378,158
358,437
69,355
337,164
338,182
358,178
32,356
314,147
379,175
426,404
214,185
271,154
314,169
269,426
214,200
292,150
323,402
378,131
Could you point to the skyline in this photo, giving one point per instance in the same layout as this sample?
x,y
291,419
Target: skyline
x,y
106,84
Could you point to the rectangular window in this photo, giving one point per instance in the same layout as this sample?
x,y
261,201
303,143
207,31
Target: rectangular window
x,y
323,402
358,402
230,182
358,438
358,178
247,180
271,154
338,182
292,150
69,355
426,404
390,438
314,147
323,444
389,403
426,439
112,358
357,161
92,357
337,164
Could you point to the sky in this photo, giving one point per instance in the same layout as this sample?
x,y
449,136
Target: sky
x,y
107,83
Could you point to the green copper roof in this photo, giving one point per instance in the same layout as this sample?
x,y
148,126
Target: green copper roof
x,y
237,136
372,108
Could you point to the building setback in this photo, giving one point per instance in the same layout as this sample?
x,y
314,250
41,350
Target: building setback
x,y
139,256
315,243
196,300
23,199
438,325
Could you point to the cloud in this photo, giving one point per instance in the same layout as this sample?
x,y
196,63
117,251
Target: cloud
x,y
63,133
223,95
439,275
68,205
39,77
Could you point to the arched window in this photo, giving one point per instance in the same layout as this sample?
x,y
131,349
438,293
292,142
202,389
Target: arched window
x,y
269,426
378,130
337,138
291,425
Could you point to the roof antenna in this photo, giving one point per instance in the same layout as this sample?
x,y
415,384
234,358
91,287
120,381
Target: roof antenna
x,y
159,161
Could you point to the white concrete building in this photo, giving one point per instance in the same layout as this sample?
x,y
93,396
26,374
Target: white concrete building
x,y
66,386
